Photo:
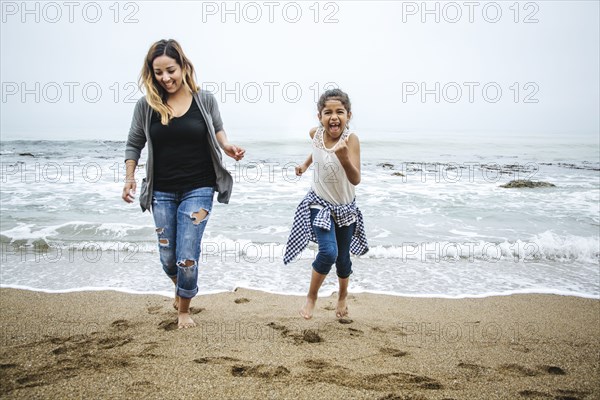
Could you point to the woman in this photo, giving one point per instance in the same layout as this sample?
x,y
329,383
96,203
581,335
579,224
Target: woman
x,y
184,131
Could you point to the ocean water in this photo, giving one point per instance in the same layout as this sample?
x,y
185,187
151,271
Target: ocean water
x,y
437,220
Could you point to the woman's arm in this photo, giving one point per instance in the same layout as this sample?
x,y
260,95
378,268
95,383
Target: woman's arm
x,y
233,151
130,184
133,149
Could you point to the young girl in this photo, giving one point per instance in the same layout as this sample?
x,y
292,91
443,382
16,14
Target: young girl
x,y
328,214
183,129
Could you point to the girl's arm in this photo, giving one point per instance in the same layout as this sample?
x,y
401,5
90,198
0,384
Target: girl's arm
x,y
300,169
348,152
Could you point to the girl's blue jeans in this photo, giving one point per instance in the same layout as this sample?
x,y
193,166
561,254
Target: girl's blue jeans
x,y
180,219
334,247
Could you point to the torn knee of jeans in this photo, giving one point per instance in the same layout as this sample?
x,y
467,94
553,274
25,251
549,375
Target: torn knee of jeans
x,y
162,241
200,216
186,263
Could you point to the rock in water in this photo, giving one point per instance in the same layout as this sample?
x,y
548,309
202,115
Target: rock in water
x,y
522,183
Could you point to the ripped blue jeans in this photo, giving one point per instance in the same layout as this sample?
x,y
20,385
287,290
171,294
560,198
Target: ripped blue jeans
x,y
180,219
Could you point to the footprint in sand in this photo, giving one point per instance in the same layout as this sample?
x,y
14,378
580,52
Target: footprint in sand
x,y
308,335
59,350
355,332
241,300
316,364
392,352
570,394
393,396
259,371
215,360
194,310
516,370
111,342
534,394
278,327
153,309
168,325
473,367
311,336
552,370
241,369
379,382
120,324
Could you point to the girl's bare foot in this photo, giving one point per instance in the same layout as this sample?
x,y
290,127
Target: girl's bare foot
x,y
185,321
341,310
307,311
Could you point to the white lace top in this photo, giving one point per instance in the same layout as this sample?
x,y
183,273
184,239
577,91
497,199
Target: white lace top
x,y
329,178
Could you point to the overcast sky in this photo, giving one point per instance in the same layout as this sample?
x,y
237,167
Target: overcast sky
x,y
68,68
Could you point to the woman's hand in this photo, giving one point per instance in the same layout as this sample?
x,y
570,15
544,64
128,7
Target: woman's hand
x,y
233,151
129,191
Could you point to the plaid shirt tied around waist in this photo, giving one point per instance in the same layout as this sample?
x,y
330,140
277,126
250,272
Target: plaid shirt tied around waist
x,y
302,231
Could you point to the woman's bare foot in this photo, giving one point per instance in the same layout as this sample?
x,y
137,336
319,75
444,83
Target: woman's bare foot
x,y
341,310
307,311
185,321
176,301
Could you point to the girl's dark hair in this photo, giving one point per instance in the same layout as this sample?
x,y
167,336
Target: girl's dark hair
x,y
334,94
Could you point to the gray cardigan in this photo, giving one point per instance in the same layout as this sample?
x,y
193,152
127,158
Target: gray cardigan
x,y
139,134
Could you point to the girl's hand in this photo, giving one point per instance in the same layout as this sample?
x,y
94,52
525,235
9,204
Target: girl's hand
x,y
341,148
300,169
129,191
233,151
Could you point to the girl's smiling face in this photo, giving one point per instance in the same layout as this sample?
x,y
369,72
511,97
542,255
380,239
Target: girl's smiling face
x,y
168,74
334,118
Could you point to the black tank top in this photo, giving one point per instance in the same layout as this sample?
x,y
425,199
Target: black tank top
x,y
182,159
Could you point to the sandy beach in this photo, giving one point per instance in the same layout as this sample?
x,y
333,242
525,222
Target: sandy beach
x,y
254,345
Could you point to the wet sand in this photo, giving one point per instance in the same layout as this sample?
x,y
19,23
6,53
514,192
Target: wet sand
x,y
254,345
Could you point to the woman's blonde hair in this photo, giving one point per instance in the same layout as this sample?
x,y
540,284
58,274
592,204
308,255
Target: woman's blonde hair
x,y
155,94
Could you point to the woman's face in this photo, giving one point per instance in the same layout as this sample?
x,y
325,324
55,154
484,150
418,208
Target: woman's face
x,y
168,74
